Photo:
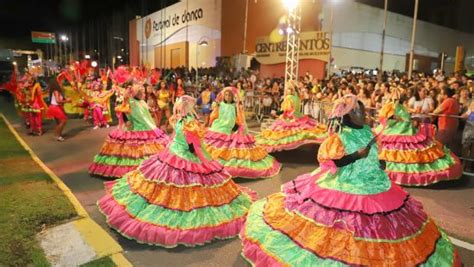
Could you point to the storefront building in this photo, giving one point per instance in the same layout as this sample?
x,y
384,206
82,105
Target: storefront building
x,y
194,33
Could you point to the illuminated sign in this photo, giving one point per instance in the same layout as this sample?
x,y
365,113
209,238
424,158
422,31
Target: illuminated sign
x,y
313,45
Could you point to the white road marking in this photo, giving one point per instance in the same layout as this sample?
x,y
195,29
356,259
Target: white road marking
x,y
462,244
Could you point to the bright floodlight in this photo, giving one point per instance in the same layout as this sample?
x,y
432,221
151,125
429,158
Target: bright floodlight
x,y
289,30
94,64
14,63
290,4
87,56
64,38
203,43
281,31
119,57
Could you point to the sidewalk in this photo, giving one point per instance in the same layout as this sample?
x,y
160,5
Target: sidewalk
x,y
41,221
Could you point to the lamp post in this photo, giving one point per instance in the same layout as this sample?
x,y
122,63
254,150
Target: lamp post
x,y
379,74
412,46
331,33
117,55
64,39
201,42
292,40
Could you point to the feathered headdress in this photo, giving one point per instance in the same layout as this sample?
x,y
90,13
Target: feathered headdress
x,y
121,75
64,75
103,76
138,75
154,77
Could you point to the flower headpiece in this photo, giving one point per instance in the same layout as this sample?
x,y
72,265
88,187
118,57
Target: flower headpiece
x,y
135,89
343,106
233,90
184,106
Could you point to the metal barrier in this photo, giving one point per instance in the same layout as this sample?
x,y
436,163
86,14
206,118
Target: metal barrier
x,y
259,107
319,110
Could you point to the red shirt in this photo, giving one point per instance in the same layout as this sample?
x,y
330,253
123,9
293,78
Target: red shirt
x,y
450,106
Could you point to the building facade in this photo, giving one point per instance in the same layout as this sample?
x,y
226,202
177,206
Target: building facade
x,y
357,39
194,33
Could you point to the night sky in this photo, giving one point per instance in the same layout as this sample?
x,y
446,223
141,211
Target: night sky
x,y
66,15
455,14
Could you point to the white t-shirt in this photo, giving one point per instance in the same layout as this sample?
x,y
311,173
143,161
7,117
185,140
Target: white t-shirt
x,y
53,100
424,104
411,102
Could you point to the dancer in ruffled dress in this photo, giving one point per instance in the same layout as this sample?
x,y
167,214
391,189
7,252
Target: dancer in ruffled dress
x,y
292,129
345,213
125,148
228,140
180,196
414,157
36,107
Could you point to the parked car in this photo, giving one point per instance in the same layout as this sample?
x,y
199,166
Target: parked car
x,y
356,70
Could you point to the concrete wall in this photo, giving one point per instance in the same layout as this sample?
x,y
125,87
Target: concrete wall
x,y
263,18
206,28
358,35
313,66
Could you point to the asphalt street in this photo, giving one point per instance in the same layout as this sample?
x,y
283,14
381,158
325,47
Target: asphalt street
x,y
450,204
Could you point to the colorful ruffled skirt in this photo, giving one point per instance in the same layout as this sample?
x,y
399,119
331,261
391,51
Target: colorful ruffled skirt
x,y
170,201
123,151
307,225
288,135
419,159
240,155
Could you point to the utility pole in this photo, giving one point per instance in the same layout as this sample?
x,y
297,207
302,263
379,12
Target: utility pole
x,y
292,43
412,46
379,74
331,19
244,49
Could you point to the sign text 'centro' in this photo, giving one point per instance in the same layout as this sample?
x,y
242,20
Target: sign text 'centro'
x,y
309,44
312,45
176,19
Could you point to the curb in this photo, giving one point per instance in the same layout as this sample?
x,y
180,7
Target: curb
x,y
98,239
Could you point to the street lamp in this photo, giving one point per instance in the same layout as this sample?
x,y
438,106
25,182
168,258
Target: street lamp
x,y
290,4
379,74
293,27
331,21
201,42
412,45
64,39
